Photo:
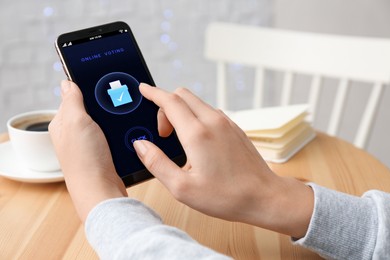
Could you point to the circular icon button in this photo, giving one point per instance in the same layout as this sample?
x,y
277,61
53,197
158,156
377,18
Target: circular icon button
x,y
137,133
118,93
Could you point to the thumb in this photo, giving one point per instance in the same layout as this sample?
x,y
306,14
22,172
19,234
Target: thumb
x,y
72,99
71,107
157,162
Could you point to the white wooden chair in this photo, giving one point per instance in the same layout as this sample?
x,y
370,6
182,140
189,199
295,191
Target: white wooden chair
x,y
343,57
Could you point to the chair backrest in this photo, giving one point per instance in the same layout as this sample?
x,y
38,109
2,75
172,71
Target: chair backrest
x,y
344,57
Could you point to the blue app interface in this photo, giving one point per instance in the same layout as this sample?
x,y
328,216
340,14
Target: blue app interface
x,y
108,71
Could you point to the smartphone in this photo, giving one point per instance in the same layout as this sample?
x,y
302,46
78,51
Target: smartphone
x,y
107,65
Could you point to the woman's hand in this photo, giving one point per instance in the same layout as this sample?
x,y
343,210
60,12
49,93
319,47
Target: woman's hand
x,y
225,176
83,153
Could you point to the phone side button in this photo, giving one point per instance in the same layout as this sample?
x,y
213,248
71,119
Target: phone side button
x,y
66,73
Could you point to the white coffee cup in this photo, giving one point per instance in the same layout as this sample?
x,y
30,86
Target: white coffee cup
x,y
33,148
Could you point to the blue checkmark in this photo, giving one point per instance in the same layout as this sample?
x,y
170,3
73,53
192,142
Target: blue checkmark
x,y
120,96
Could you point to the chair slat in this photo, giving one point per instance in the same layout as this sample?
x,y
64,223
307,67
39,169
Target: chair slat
x,y
221,86
338,107
258,88
368,116
314,94
287,88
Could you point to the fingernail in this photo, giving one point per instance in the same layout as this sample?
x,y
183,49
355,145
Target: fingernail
x,y
144,84
65,86
140,147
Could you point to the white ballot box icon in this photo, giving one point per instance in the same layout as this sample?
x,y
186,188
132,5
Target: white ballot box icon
x,y
119,93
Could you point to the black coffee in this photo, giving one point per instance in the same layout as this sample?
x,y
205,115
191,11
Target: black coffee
x,y
38,127
34,123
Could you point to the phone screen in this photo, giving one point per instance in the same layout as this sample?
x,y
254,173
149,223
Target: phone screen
x,y
107,65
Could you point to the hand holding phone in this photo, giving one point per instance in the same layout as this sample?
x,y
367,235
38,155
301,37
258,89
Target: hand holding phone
x,y
107,65
84,154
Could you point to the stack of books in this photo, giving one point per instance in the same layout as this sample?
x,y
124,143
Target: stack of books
x,y
277,132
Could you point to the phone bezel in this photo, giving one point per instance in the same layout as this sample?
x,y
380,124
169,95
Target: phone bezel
x,y
133,177
94,31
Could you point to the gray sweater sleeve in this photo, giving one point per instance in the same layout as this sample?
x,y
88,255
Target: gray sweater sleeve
x,y
125,228
349,227
342,227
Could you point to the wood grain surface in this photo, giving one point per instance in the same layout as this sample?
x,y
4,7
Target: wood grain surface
x,y
38,221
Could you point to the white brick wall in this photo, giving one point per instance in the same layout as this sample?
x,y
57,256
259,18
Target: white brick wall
x,y
170,34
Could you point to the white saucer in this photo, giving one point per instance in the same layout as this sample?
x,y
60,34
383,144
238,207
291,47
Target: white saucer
x,y
10,168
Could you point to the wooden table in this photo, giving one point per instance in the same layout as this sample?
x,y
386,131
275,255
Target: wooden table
x,y
38,221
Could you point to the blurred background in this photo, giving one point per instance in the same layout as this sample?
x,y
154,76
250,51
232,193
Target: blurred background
x,y
171,36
